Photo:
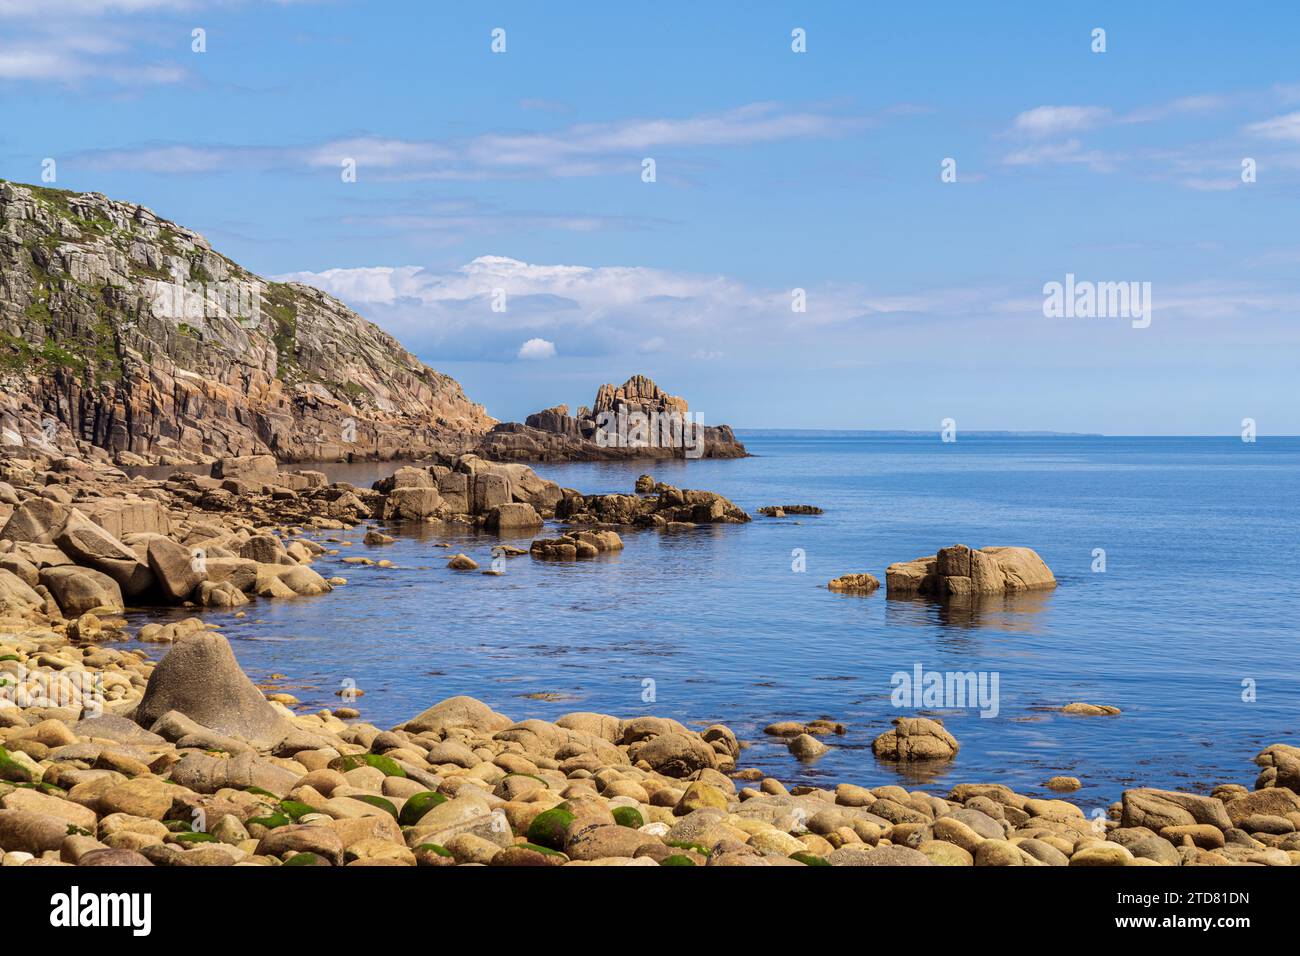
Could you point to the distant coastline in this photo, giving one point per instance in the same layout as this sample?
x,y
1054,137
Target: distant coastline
x,y
900,433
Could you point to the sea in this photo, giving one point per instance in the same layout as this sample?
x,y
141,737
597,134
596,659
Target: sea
x,y
1177,568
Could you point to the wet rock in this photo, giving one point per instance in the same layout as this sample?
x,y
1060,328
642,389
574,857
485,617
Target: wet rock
x,y
1090,710
807,747
960,572
855,583
915,738
513,517
780,511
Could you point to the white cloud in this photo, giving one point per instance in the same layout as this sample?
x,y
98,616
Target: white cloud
x,y
605,313
536,349
1279,127
21,9
1053,120
1071,151
584,149
579,310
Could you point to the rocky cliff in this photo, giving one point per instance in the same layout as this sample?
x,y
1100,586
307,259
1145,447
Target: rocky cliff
x,y
635,420
122,331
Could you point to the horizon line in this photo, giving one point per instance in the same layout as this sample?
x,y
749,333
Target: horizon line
x,y
974,432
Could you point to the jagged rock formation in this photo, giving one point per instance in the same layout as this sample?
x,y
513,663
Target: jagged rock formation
x,y
121,330
609,430
663,506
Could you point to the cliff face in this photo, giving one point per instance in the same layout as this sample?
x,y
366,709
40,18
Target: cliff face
x,y
121,330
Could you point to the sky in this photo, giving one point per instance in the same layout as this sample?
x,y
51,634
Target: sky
x,y
858,234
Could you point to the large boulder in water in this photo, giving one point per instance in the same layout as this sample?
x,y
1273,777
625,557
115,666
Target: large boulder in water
x,y
960,572
916,738
201,679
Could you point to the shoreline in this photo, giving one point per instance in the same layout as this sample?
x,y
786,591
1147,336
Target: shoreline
x,y
460,783
113,790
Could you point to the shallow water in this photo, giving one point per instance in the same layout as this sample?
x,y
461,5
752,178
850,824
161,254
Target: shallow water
x,y
1197,597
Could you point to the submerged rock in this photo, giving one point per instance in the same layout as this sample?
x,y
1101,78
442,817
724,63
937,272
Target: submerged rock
x,y
855,583
1090,710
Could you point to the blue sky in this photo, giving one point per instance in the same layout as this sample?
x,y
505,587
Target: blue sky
x,y
522,172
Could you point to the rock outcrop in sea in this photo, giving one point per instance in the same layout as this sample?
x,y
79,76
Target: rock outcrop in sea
x,y
122,331
959,572
664,506
554,435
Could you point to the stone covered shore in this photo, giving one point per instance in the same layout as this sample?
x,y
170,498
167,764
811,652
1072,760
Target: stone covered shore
x,y
107,758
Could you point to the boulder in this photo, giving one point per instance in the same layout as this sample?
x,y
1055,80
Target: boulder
x,y
674,754
253,469
514,517
1157,809
89,544
855,583
27,831
412,503
201,679
916,738
453,488
960,572
488,491
78,590
458,713
14,590
175,567
120,516
404,477
36,520
265,549
204,773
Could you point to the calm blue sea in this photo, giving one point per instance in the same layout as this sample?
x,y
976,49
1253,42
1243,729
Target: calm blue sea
x,y
1198,596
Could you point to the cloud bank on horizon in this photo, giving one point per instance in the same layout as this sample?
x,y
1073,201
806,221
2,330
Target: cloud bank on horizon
x,y
841,237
